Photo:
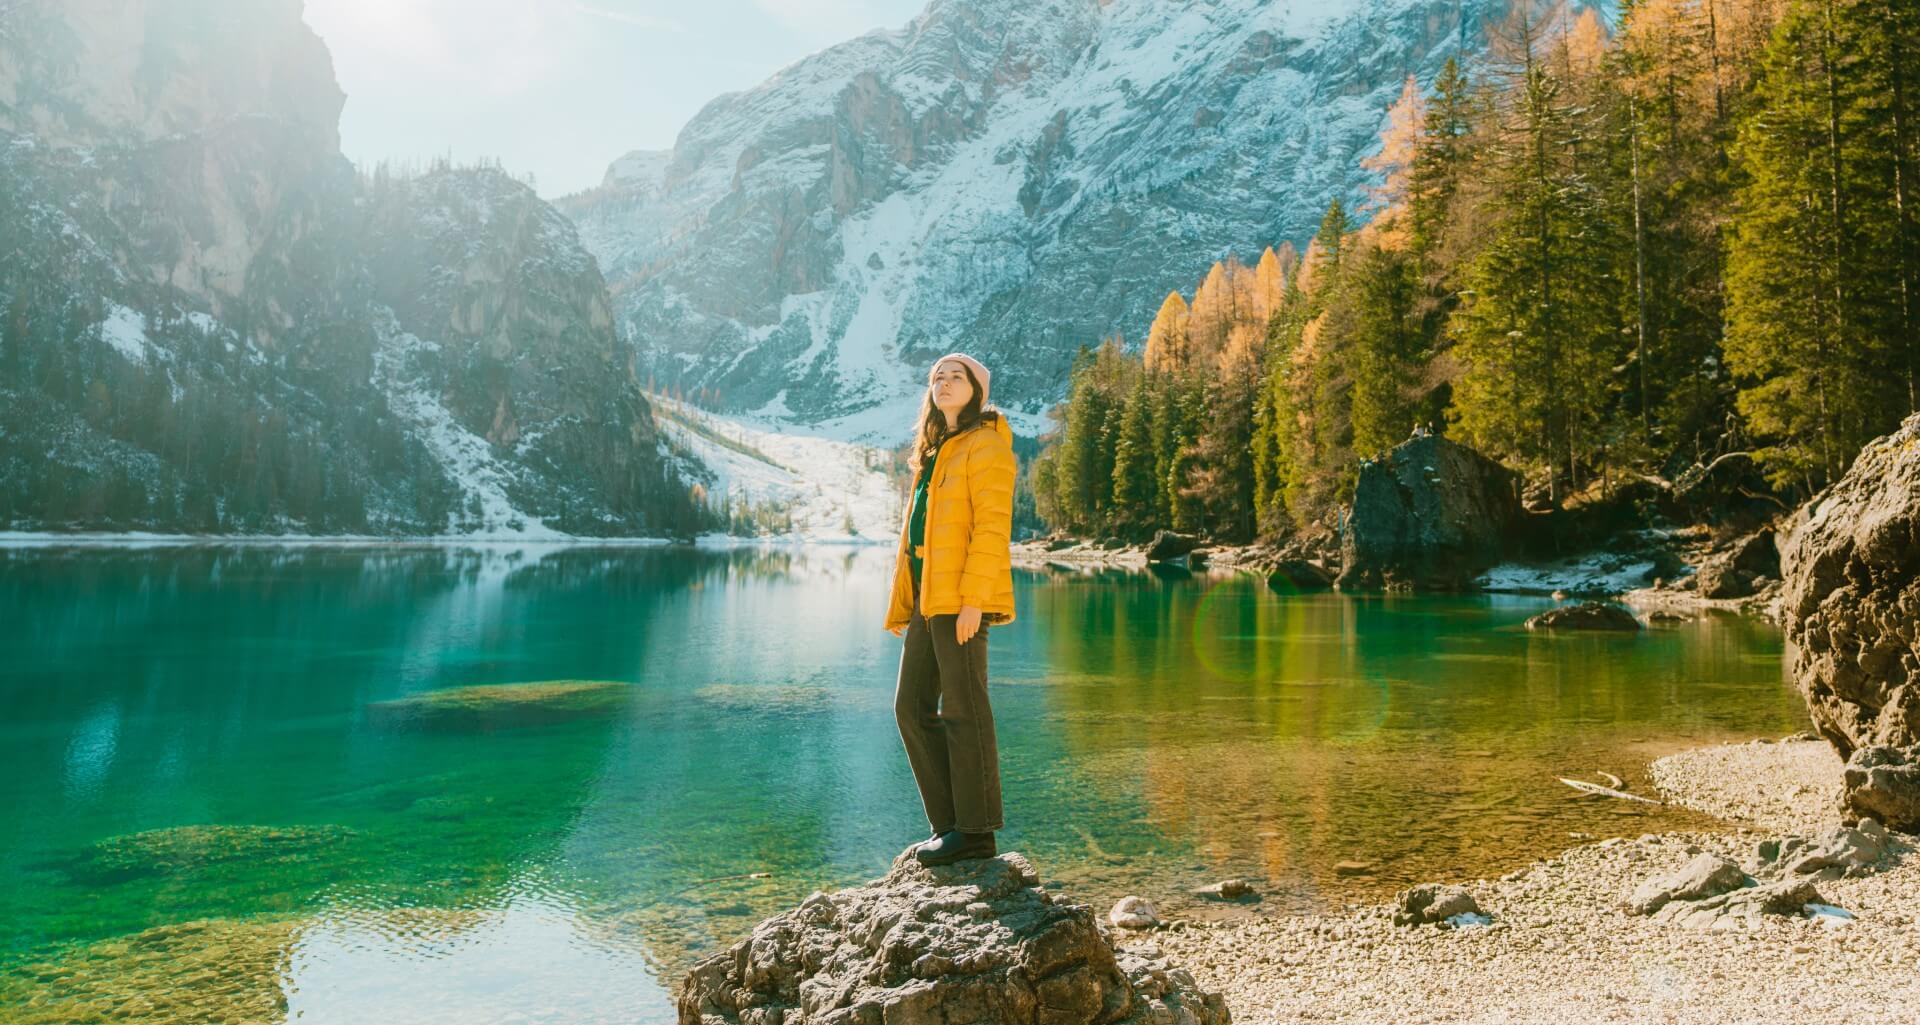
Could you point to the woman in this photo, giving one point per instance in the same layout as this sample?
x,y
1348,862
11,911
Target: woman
x,y
951,577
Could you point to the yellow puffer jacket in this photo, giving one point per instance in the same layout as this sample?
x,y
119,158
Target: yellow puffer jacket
x,y
969,523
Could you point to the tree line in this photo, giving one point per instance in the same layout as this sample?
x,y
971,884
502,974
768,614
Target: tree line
x,y
1594,253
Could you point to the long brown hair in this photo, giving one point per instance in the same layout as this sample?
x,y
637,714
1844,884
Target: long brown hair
x,y
931,429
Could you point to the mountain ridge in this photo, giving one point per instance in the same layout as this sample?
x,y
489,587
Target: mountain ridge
x,y
1016,180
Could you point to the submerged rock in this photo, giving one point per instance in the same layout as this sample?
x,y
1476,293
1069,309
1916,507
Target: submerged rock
x,y
1434,904
1588,615
1430,515
1707,875
1883,783
1851,604
180,850
1228,889
502,706
976,941
236,968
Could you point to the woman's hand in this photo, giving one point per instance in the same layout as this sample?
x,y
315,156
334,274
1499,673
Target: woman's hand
x,y
897,631
966,624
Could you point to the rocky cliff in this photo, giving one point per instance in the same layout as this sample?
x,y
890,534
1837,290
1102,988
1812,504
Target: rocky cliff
x,y
1012,178
209,321
1851,600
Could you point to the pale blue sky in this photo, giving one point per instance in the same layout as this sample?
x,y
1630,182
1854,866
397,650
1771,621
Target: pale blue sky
x,y
559,88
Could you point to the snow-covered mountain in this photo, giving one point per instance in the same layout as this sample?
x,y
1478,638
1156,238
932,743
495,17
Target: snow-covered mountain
x,y
1014,178
210,322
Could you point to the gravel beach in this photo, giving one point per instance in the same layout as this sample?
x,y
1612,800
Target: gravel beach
x,y
1561,949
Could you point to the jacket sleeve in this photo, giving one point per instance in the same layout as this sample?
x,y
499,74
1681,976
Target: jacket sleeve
x,y
990,472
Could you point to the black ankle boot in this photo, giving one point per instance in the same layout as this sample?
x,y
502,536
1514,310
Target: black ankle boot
x,y
955,846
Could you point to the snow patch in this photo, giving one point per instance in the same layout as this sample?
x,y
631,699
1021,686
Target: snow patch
x,y
126,331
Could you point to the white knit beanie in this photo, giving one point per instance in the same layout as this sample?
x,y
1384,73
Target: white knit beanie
x,y
980,372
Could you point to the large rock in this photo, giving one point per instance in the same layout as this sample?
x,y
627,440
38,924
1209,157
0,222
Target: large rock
x,y
1883,783
1169,544
1433,904
1851,602
1588,615
1707,875
1429,515
978,941
1842,851
1741,909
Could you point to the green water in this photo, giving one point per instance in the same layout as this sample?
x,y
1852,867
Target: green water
x,y
1156,734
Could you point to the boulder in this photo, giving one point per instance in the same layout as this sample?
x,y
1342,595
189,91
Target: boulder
x,y
1432,904
1718,578
1134,913
1851,600
1882,783
1741,908
1290,576
1707,875
1587,615
1741,568
1169,545
1429,515
976,941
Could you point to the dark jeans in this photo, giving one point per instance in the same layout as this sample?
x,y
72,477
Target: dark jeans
x,y
947,725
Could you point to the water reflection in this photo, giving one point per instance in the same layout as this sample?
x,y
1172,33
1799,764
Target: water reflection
x,y
1157,733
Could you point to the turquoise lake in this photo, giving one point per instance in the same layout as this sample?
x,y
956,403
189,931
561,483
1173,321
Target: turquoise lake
x,y
210,816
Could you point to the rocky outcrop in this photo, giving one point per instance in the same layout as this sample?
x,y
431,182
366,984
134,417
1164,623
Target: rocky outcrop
x,y
1883,783
1851,600
1429,515
977,941
1588,615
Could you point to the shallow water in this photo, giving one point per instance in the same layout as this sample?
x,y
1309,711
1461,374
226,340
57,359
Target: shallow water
x,y
1156,734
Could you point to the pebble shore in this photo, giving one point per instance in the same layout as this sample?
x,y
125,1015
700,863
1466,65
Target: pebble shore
x,y
1560,949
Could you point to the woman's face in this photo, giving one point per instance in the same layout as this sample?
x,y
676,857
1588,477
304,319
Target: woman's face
x,y
951,389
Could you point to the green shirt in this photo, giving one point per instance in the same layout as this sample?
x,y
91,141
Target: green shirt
x,y
917,522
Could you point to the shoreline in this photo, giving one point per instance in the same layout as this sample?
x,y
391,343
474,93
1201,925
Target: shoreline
x,y
1597,575
1560,949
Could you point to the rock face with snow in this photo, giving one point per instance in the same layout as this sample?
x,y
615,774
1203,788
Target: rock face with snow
x,y
1851,600
975,941
1429,515
1012,177
212,323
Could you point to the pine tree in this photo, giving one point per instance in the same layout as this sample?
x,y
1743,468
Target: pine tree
x,y
1538,329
